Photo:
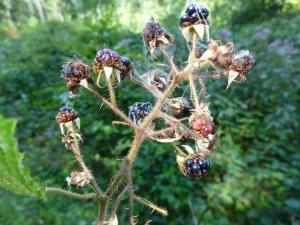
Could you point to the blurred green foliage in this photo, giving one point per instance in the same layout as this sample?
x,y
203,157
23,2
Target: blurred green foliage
x,y
255,171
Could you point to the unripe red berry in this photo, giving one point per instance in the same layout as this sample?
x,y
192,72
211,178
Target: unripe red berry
x,y
208,130
199,125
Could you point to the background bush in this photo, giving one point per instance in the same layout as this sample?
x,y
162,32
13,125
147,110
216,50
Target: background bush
x,y
255,171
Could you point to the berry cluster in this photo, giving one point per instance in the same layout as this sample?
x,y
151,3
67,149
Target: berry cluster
x,y
109,58
179,107
139,111
66,114
194,14
73,72
154,35
197,167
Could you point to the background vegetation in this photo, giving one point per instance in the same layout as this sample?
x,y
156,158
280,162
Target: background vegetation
x,y
255,175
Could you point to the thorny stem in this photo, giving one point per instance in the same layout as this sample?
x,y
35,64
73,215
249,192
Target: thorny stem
x,y
151,205
59,191
137,141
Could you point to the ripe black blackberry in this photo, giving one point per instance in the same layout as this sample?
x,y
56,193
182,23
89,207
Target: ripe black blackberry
x,y
194,14
139,111
185,20
109,58
196,168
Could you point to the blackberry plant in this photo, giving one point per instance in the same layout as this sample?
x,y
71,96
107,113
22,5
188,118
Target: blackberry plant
x,y
185,123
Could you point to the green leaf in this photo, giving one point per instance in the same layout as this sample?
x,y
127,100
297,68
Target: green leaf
x,y
13,175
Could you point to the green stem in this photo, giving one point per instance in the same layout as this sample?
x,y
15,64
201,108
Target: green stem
x,y
59,191
112,93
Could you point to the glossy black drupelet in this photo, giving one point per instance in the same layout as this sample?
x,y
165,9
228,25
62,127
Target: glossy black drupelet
x,y
139,111
197,168
109,58
193,13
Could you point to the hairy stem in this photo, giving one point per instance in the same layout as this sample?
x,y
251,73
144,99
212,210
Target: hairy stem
x,y
112,93
101,212
137,141
118,201
76,150
59,191
131,193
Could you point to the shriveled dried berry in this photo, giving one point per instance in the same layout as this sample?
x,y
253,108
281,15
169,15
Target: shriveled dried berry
x,y
66,114
80,179
139,111
73,72
154,35
242,62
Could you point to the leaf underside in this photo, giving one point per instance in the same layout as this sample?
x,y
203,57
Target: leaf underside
x,y
14,176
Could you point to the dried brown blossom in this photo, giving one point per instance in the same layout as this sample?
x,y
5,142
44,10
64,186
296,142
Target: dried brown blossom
x,y
242,62
220,56
178,107
80,179
154,35
156,79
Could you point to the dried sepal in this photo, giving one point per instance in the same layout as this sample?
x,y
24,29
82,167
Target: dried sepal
x,y
155,35
167,135
70,138
206,144
112,221
178,107
156,81
220,56
79,179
